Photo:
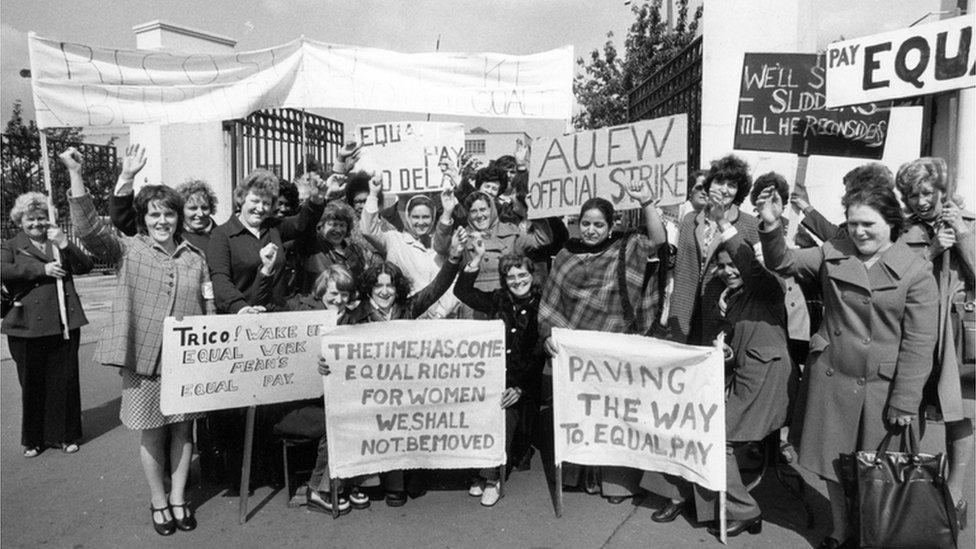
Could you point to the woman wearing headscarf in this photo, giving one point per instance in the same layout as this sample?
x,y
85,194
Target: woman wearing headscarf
x,y
583,292
47,363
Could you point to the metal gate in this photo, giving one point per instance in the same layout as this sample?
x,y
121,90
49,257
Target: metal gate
x,y
675,88
273,139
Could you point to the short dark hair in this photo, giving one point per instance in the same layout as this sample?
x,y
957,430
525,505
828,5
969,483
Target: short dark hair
x,y
509,261
162,196
506,162
358,183
602,205
881,199
372,275
770,179
734,169
473,197
338,273
492,173
262,183
338,211
692,177
869,175
288,191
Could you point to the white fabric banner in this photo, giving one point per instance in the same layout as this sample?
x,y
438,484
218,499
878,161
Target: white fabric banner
x,y
80,85
919,60
230,361
407,155
639,402
567,170
415,394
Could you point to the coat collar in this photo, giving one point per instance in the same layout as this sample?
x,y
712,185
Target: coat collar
x,y
22,243
845,266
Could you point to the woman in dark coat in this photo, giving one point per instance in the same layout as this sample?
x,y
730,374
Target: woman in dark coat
x,y
869,361
940,231
47,364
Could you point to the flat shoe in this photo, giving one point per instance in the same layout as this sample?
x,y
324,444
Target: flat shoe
x,y
396,499
323,504
188,523
69,447
358,499
165,528
735,527
32,452
670,512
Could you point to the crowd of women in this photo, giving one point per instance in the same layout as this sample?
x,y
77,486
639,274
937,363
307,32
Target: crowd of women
x,y
840,334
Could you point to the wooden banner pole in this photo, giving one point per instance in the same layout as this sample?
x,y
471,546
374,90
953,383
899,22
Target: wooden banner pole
x,y
334,497
559,490
246,469
52,221
723,534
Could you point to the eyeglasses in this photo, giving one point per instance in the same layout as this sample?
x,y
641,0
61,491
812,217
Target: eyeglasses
x,y
517,277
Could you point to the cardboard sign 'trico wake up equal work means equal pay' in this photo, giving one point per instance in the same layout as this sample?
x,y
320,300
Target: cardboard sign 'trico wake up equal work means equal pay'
x,y
782,108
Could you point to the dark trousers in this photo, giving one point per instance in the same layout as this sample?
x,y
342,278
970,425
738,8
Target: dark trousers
x,y
47,368
511,422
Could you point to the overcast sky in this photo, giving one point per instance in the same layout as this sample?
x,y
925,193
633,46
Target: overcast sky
x,y
505,26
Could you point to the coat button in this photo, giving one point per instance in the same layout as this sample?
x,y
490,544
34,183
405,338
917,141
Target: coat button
x,y
866,340
170,283
508,351
836,332
865,301
829,371
512,330
860,381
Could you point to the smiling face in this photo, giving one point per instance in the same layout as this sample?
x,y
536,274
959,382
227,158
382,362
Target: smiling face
x,y
594,228
334,231
491,188
255,209
519,281
161,222
925,201
698,197
35,224
384,292
867,229
420,218
726,270
334,299
479,215
196,213
723,191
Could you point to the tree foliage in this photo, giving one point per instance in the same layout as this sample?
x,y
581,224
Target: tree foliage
x,y
601,88
20,165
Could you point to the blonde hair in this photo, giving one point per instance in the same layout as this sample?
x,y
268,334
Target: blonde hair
x,y
28,202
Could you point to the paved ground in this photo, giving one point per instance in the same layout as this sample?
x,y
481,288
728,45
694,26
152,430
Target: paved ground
x,y
98,497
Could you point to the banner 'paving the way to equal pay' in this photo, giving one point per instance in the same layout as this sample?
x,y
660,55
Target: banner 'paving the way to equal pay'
x,y
568,170
919,60
231,361
409,394
408,155
639,402
79,85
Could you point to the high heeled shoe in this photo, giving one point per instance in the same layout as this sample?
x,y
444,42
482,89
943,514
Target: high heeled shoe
x,y
188,522
165,528
735,527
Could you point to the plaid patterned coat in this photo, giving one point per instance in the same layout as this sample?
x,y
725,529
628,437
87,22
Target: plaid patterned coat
x,y
151,285
582,293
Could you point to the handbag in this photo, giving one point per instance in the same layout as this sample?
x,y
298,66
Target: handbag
x,y
964,328
900,499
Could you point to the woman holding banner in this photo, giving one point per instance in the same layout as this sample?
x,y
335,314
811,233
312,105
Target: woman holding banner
x,y
941,231
159,274
384,293
597,283
869,361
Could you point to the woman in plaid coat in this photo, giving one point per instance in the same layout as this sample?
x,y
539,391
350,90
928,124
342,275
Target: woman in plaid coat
x,y
583,293
160,274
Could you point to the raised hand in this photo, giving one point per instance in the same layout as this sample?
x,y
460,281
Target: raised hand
x,y
714,210
799,203
458,240
133,161
335,186
523,152
347,158
769,206
448,200
57,237
268,254
72,159
640,192
375,184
